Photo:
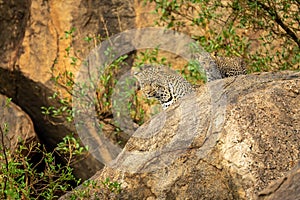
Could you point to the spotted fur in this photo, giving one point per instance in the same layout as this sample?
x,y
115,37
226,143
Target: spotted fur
x,y
163,84
167,86
230,66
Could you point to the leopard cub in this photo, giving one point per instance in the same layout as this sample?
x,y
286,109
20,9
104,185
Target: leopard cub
x,y
230,66
163,84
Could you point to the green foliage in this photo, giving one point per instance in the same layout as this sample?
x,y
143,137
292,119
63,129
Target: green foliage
x,y
107,82
149,56
63,110
32,172
114,187
265,33
85,191
7,102
69,33
70,147
193,72
65,82
91,189
24,178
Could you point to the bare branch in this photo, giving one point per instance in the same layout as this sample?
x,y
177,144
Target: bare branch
x,y
272,12
6,161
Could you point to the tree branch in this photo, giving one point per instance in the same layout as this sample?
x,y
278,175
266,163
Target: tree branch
x,y
272,12
6,161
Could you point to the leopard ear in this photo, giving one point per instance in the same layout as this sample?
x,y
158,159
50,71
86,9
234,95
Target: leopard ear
x,y
137,75
138,85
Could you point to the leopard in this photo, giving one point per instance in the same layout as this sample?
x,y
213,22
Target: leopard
x,y
230,66
163,84
218,67
167,86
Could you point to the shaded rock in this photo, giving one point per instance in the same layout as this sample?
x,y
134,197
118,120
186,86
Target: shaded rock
x,y
13,19
229,140
287,187
19,126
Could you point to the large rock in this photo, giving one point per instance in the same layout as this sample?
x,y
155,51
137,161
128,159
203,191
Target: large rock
x,y
20,130
227,141
31,48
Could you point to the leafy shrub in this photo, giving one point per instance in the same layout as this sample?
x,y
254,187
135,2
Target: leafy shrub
x,y
265,33
24,176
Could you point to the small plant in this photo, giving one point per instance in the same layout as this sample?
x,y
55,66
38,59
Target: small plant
x,y
30,172
91,189
62,111
84,192
193,72
68,89
114,187
149,56
24,178
69,148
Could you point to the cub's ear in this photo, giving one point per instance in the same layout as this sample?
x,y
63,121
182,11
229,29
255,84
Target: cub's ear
x,y
138,86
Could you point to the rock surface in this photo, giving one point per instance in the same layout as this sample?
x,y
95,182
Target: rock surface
x,y
287,187
20,128
229,140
